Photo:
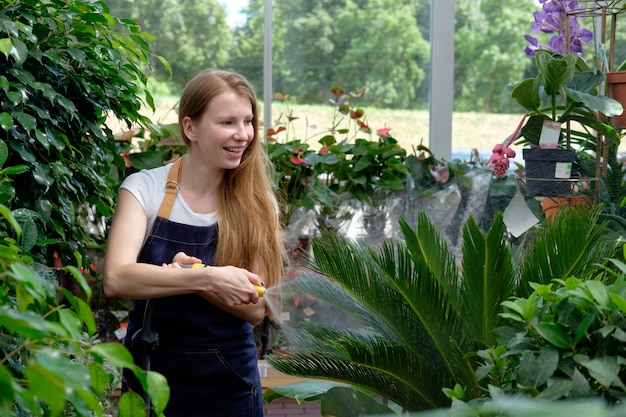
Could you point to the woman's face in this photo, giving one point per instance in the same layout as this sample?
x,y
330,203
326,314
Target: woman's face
x,y
224,130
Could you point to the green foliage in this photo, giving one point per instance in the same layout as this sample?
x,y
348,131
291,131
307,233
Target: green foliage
x,y
410,349
489,56
566,340
50,363
565,90
190,34
67,65
347,164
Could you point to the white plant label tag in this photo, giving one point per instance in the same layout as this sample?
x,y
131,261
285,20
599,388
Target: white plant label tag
x,y
563,170
550,132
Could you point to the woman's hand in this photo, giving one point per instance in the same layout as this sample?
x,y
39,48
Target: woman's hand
x,y
181,258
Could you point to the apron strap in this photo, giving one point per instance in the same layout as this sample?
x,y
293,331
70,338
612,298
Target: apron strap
x,y
171,189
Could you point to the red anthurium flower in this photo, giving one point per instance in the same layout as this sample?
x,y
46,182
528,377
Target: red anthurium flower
x,y
296,159
384,132
337,91
362,124
357,114
271,131
324,149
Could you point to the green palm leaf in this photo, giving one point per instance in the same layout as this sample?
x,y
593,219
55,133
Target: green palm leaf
x,y
416,317
574,244
488,279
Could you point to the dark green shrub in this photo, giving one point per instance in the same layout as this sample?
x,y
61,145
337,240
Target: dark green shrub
x,y
565,341
65,66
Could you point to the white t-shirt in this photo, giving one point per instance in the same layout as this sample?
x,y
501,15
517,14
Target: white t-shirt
x,y
148,187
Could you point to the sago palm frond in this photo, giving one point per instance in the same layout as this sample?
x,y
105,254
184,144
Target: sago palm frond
x,y
374,363
573,244
488,279
413,342
419,318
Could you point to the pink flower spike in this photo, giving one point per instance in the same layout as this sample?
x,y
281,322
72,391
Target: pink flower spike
x,y
510,153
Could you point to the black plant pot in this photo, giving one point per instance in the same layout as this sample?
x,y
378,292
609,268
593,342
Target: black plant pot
x,y
541,168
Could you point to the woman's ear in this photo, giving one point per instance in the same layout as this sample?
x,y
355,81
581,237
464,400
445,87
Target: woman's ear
x,y
188,128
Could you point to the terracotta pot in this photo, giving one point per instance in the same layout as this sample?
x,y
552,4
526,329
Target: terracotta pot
x,y
551,205
616,82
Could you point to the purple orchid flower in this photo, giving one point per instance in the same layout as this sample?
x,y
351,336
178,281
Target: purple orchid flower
x,y
552,20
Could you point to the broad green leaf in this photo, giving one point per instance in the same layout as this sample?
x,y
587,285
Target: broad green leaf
x,y
29,236
80,279
580,385
554,334
16,98
100,379
334,402
71,323
5,46
603,104
46,384
534,370
310,390
27,121
599,292
7,391
14,170
131,404
606,372
42,138
581,330
6,122
158,390
619,301
115,353
19,51
33,283
8,216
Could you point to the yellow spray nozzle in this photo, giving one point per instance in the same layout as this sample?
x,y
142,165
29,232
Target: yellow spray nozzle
x,y
260,290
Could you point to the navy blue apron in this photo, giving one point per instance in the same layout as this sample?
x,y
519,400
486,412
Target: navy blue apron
x,y
208,356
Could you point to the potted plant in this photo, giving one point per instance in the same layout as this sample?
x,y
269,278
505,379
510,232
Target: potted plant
x,y
616,85
562,95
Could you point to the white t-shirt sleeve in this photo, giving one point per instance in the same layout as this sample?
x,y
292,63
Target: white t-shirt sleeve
x,y
148,187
